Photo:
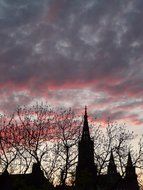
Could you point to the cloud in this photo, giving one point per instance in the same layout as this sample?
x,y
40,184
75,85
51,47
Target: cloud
x,y
64,47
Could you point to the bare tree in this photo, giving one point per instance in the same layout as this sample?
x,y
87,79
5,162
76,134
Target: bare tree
x,y
50,137
67,125
8,153
120,140
35,129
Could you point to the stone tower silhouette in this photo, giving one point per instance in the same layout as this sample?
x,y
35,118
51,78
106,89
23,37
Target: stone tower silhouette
x,y
113,177
86,170
112,168
131,177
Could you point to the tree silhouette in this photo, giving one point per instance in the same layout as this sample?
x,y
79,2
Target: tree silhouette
x,y
50,138
68,128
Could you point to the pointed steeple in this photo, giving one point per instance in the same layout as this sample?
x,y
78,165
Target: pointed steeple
x,y
112,169
130,169
85,132
86,170
130,175
129,162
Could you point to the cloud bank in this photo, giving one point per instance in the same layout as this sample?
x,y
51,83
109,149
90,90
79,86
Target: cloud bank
x,y
73,53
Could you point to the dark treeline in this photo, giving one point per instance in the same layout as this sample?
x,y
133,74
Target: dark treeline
x,y
49,137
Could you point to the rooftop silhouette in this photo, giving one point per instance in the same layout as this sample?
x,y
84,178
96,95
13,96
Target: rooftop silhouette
x,y
87,177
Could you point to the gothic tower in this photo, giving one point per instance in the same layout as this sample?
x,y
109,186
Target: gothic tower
x,y
112,169
131,177
86,171
114,178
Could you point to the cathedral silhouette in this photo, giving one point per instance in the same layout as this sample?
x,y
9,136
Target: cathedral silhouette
x,y
86,170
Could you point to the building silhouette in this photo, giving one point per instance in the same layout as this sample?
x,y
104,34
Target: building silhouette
x,y
86,170
31,181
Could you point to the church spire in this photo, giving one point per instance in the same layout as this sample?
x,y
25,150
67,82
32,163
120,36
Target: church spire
x,y
130,175
112,169
129,162
85,132
130,169
86,170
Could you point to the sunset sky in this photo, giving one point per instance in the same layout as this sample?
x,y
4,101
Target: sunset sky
x,y
74,53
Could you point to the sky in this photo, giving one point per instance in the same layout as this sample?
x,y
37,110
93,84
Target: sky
x,y
74,53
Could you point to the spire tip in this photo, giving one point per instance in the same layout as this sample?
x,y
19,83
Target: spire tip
x,y
85,110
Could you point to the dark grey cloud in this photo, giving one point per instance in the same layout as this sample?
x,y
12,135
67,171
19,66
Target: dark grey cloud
x,y
16,13
72,44
85,40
